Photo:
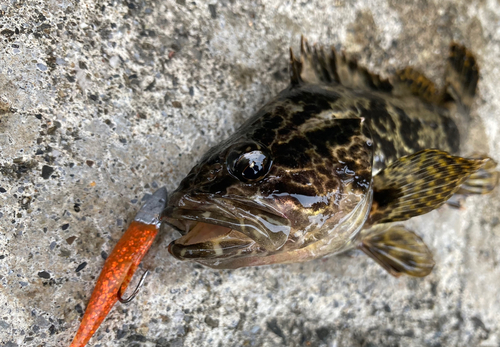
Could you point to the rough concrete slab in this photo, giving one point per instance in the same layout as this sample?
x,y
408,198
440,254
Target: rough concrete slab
x,y
103,101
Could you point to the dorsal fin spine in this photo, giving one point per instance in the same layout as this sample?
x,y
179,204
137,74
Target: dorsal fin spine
x,y
317,65
295,67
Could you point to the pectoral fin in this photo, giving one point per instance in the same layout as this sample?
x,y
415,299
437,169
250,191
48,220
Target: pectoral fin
x,y
418,183
399,251
483,181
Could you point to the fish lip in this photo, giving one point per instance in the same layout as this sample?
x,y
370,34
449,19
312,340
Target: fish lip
x,y
205,251
200,203
171,214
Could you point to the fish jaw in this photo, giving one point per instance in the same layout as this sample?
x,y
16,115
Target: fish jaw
x,y
221,248
210,241
218,227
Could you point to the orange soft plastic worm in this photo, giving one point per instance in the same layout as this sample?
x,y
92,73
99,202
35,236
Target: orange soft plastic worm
x,y
115,276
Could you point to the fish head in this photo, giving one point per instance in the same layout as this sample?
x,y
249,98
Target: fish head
x,y
273,187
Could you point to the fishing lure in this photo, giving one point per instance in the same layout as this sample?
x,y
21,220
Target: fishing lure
x,y
120,266
326,166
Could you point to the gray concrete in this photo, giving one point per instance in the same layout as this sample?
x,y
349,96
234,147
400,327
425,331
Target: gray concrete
x,y
102,101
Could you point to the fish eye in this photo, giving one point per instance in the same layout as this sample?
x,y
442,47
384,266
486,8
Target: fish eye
x,y
249,162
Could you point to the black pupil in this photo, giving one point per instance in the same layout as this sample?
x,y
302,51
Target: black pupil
x,y
251,165
249,161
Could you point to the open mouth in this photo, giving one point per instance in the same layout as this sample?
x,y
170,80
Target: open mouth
x,y
210,241
203,232
224,229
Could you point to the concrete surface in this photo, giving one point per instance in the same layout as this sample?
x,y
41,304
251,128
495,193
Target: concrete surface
x,y
102,101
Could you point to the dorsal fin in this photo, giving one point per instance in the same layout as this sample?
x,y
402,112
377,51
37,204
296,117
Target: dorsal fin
x,y
320,65
325,65
295,68
409,81
462,75
355,76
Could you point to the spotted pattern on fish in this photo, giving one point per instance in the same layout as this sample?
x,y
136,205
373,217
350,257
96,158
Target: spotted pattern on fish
x,y
329,135
447,172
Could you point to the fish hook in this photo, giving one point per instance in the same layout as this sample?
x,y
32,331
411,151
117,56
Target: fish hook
x,y
136,290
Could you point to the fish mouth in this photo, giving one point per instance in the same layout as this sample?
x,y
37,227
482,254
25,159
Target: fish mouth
x,y
224,228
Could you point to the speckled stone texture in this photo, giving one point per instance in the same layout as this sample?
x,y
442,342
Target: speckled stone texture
x,y
101,102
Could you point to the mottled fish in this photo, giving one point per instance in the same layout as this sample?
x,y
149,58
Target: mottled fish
x,y
329,164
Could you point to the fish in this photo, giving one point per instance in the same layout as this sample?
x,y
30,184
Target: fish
x,y
330,164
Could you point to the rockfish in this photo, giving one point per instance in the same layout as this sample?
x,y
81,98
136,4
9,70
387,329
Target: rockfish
x,y
329,164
